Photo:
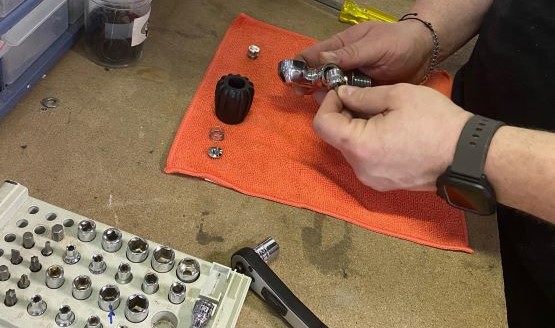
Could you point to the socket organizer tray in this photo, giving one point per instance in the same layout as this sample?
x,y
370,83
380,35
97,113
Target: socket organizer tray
x,y
60,269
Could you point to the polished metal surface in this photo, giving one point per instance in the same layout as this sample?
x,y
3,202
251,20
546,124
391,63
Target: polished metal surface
x,y
81,287
71,255
86,230
150,283
136,308
65,316
188,270
109,298
177,292
54,276
163,259
137,249
97,265
124,274
267,249
111,240
37,306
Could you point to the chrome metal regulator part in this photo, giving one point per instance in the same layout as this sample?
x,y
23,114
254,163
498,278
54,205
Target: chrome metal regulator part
x,y
297,73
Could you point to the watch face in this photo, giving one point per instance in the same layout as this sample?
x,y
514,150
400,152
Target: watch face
x,y
472,196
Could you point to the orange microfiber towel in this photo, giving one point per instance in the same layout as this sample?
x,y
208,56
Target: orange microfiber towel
x,y
274,153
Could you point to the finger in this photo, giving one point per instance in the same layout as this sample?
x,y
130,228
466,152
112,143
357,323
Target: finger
x,y
358,54
330,121
311,55
372,101
319,95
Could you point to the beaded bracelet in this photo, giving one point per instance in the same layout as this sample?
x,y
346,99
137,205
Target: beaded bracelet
x,y
435,47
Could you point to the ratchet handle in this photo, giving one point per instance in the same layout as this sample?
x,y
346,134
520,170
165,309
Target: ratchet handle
x,y
267,285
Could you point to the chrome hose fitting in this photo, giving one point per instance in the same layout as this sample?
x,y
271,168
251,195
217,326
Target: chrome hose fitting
x,y
124,274
177,292
65,316
137,249
54,276
188,270
163,259
111,240
81,288
71,256
150,283
109,298
37,306
136,308
86,230
93,322
97,265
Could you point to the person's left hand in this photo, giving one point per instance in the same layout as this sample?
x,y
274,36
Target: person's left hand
x,y
408,140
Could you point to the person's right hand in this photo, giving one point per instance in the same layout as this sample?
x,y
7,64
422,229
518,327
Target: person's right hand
x,y
387,52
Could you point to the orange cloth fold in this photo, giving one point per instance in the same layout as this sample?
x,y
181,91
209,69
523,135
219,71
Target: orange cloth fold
x,y
274,154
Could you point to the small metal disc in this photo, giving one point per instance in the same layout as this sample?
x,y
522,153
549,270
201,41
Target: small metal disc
x,y
215,152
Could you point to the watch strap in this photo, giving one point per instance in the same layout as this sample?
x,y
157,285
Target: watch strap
x,y
473,145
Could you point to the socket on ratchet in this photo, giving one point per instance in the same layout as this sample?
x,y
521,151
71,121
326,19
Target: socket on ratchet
x,y
267,285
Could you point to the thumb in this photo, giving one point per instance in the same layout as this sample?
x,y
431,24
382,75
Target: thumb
x,y
372,101
351,56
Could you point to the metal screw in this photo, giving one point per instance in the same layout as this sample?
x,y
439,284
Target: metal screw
x,y
97,265
124,275
37,306
35,265
4,273
47,250
23,282
215,152
65,316
16,257
253,51
11,298
28,240
71,256
57,232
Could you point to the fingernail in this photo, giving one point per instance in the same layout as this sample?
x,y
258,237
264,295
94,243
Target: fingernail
x,y
329,57
345,91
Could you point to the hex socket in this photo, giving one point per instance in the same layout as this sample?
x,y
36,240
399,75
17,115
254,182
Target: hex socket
x,y
93,322
86,230
177,292
163,259
137,249
109,298
97,265
81,288
136,308
150,283
111,240
188,270
54,276
124,274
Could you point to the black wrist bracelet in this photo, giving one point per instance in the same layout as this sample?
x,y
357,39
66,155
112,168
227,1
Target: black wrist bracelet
x,y
435,45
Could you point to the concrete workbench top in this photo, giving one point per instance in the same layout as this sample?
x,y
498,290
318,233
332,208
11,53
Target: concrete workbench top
x,y
101,154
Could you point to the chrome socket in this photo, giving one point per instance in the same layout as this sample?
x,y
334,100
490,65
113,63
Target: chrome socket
x,y
137,249
109,298
65,316
136,308
57,232
86,230
111,240
177,292
10,299
188,270
55,276
124,274
97,265
81,287
267,250
4,273
71,256
28,240
150,283
93,322
37,306
163,259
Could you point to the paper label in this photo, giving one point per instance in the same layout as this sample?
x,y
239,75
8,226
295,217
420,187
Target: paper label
x,y
140,29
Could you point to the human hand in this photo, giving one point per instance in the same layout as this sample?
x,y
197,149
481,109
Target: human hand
x,y
387,52
408,140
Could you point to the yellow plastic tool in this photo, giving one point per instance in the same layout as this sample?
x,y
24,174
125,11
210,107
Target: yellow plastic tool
x,y
352,13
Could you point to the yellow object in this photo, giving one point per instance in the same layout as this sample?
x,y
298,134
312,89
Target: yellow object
x,y
353,13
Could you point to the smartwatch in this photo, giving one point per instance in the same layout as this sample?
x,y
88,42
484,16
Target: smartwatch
x,y
464,185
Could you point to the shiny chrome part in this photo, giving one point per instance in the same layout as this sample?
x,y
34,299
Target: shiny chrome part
x,y
16,257
216,134
28,240
65,316
10,299
111,240
253,51
97,265
55,276
4,273
35,265
93,322
47,250
71,256
136,308
202,312
37,306
109,298
215,152
163,259
86,230
177,292
188,270
150,283
137,249
58,232
23,282
124,274
81,287
267,250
